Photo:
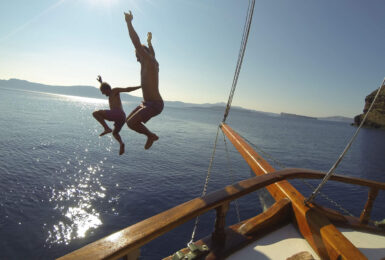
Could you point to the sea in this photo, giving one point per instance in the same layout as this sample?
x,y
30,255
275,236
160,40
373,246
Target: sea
x,y
63,187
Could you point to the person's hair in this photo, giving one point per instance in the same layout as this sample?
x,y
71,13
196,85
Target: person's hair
x,y
105,85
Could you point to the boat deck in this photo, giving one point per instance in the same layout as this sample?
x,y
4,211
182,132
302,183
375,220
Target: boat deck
x,y
287,241
371,245
279,244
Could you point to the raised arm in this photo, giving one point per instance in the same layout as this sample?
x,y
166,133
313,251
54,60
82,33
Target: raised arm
x,y
133,35
128,89
149,38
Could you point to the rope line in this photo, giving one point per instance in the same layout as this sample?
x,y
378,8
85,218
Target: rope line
x,y
331,171
246,31
206,184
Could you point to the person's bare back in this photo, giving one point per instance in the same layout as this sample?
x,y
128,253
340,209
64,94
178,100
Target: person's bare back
x,y
114,100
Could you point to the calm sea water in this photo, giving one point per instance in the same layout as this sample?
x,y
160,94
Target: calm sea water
x,y
62,186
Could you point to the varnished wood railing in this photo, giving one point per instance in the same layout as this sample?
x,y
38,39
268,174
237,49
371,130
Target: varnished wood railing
x,y
130,239
315,226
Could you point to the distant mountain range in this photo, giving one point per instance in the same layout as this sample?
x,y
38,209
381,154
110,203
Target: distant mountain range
x,y
82,91
287,115
92,92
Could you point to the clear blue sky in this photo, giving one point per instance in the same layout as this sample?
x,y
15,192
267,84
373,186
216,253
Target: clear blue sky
x,y
317,58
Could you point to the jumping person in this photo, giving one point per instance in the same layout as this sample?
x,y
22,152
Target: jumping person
x,y
152,103
116,112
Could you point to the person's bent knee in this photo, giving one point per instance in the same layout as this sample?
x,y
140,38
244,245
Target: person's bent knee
x,y
96,113
131,124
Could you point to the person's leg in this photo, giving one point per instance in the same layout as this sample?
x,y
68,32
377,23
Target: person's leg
x,y
100,116
116,135
134,112
134,122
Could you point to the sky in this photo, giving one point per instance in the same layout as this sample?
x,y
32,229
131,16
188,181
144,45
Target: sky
x,y
314,58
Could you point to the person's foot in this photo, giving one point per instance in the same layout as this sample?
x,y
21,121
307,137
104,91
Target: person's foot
x,y
121,151
150,140
106,131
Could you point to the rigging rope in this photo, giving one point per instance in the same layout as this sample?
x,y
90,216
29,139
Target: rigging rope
x,y
246,31
331,171
206,183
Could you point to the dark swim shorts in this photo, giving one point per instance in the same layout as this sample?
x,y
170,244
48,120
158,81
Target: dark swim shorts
x,y
148,109
118,116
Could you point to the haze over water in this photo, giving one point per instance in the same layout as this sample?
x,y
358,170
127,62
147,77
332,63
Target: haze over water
x,y
62,187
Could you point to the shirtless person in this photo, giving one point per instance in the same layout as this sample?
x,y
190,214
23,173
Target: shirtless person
x,y
152,103
116,112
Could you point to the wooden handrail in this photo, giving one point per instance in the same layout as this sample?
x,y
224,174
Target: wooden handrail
x,y
311,174
315,227
122,242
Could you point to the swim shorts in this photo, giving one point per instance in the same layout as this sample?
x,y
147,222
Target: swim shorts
x,y
118,116
148,109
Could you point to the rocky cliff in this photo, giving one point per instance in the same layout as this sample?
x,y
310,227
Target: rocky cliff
x,y
376,118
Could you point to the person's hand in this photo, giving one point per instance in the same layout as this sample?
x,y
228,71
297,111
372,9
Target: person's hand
x,y
99,78
128,17
149,37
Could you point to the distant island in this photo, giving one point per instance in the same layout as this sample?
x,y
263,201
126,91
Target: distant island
x,y
287,115
344,119
93,92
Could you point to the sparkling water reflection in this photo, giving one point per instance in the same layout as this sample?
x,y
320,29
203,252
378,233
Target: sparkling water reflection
x,y
75,203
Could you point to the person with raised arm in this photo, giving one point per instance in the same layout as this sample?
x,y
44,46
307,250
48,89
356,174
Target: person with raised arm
x,y
152,104
116,112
